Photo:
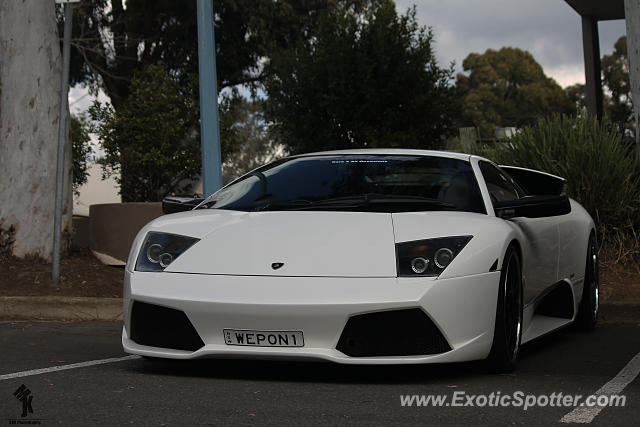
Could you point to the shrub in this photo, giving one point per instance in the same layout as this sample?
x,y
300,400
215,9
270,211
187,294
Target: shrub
x,y
600,169
152,138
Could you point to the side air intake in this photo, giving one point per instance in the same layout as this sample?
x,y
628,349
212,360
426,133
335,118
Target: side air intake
x,y
408,332
164,327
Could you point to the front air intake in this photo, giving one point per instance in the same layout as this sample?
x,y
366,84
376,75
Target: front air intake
x,y
164,327
408,332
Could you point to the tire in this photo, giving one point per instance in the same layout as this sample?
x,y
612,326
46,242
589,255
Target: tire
x,y
507,335
588,309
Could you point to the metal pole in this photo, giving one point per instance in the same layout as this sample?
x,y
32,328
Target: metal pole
x,y
209,125
62,137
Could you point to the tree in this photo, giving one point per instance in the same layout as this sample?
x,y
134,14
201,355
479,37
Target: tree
x,y
507,87
366,78
615,77
576,96
255,146
616,98
30,71
152,139
111,42
81,150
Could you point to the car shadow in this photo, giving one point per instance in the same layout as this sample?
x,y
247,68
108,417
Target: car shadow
x,y
304,371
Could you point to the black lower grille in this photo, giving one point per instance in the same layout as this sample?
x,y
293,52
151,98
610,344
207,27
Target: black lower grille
x,y
407,332
158,326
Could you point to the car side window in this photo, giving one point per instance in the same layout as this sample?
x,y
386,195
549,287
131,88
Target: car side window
x,y
500,186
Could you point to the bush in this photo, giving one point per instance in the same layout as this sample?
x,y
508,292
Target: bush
x,y
81,150
152,138
600,170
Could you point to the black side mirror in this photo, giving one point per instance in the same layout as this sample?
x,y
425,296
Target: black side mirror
x,y
173,204
533,207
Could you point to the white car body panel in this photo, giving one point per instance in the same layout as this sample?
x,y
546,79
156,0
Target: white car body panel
x,y
341,264
319,306
540,253
348,244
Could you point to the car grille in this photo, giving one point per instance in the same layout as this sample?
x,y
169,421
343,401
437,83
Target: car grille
x,y
408,332
158,326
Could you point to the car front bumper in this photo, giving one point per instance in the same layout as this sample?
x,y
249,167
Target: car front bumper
x,y
462,308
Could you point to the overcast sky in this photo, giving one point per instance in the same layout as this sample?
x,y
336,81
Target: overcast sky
x,y
550,29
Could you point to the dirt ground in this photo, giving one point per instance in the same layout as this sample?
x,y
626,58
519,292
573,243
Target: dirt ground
x,y
83,275
620,283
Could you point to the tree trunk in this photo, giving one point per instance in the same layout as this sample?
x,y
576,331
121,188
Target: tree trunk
x,y
30,75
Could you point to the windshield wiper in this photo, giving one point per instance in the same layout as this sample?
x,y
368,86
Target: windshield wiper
x,y
289,205
358,202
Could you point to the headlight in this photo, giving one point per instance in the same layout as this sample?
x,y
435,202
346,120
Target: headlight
x,y
160,249
428,257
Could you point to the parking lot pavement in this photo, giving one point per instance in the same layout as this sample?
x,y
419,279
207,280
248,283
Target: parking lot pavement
x,y
61,390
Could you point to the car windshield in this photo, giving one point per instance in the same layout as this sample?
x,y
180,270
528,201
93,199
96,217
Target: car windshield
x,y
374,183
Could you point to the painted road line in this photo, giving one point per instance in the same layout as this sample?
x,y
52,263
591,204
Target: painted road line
x,y
584,414
66,367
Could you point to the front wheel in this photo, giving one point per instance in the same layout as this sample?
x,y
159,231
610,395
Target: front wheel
x,y
507,335
588,309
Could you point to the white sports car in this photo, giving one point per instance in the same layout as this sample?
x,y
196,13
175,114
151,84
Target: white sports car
x,y
364,256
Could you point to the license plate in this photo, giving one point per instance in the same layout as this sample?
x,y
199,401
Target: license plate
x,y
263,338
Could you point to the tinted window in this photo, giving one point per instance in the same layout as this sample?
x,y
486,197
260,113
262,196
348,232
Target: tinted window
x,y
305,180
501,187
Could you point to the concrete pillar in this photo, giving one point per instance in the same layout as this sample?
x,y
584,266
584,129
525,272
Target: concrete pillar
x,y
632,17
591,47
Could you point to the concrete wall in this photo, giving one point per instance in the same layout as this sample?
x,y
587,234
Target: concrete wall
x,y
113,227
95,190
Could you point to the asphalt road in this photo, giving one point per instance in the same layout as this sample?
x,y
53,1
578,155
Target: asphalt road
x,y
216,392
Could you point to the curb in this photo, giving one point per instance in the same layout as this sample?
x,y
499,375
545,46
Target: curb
x,y
110,309
60,308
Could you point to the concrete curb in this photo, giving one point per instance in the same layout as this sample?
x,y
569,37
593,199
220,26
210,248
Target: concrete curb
x,y
60,308
110,309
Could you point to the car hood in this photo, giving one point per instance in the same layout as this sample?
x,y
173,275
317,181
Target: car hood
x,y
307,243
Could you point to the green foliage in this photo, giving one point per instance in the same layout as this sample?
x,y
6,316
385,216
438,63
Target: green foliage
x,y
601,174
366,78
255,147
617,102
81,150
615,77
112,41
506,88
577,96
153,138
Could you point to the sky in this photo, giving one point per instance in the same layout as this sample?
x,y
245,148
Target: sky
x,y
550,29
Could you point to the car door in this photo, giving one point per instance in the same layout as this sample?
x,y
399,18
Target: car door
x,y
541,244
571,233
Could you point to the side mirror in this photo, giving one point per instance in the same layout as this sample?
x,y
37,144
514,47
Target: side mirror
x,y
173,204
533,207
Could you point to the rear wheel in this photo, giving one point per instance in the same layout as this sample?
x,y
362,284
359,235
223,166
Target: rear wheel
x,y
507,335
588,309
